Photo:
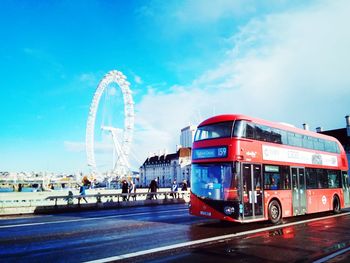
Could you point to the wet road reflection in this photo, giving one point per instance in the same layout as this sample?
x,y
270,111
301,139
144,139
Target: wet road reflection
x,y
94,235
301,243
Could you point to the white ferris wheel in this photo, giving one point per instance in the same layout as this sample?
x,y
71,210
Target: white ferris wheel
x,y
109,136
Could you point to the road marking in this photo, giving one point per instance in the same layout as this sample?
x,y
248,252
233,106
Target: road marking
x,y
206,240
335,254
92,218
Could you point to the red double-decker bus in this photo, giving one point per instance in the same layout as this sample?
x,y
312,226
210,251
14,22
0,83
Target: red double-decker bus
x,y
246,169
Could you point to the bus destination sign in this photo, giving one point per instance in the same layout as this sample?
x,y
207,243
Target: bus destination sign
x,y
212,152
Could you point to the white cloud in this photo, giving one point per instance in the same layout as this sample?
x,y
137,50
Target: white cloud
x,y
138,79
290,67
74,146
184,16
89,79
212,10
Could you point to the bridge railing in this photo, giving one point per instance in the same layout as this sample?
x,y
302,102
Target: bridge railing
x,y
71,199
18,203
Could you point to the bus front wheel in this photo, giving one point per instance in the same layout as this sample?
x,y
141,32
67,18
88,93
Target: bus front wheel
x,y
275,212
336,205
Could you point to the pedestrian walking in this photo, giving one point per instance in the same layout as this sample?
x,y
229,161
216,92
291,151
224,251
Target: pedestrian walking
x,y
174,189
184,188
132,190
82,194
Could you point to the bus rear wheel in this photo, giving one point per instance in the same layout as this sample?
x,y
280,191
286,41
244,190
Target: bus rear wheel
x,y
275,212
336,205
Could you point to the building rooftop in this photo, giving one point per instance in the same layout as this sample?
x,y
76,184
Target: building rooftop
x,y
167,158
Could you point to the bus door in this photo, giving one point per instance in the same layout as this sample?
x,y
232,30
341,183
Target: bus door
x,y
252,192
346,190
299,190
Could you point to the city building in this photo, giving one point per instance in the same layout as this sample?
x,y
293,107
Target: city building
x,y
342,134
166,168
169,167
187,136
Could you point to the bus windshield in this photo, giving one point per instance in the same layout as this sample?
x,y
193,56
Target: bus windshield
x,y
212,131
215,181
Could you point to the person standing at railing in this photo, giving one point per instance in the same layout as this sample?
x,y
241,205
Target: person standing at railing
x,y
69,198
132,190
82,193
174,189
125,189
184,186
153,189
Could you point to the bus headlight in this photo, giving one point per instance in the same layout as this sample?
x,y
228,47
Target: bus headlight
x,y
229,210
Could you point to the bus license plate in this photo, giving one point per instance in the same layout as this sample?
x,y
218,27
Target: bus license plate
x,y
205,213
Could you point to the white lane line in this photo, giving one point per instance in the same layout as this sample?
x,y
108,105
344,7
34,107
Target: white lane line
x,y
206,240
325,259
91,218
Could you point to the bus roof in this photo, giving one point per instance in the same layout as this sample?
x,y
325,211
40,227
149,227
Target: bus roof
x,y
234,117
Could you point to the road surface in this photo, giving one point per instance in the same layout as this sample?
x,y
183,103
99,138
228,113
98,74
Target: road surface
x,y
169,234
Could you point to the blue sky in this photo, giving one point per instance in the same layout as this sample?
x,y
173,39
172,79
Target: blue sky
x,y
186,60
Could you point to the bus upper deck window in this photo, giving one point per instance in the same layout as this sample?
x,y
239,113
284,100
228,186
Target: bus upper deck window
x,y
239,129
